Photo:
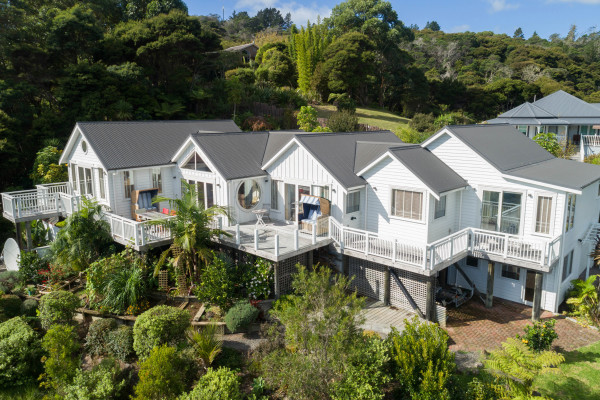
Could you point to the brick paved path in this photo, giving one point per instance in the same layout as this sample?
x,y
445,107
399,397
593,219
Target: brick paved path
x,y
472,327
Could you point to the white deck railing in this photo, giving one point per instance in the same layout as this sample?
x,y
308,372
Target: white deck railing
x,y
137,233
447,249
590,140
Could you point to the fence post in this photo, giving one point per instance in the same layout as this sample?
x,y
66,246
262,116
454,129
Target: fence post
x,y
256,239
366,243
237,234
425,257
143,235
276,245
505,245
543,255
329,227
394,250
314,233
296,239
342,238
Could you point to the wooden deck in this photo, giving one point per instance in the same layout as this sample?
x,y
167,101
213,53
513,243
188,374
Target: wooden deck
x,y
380,318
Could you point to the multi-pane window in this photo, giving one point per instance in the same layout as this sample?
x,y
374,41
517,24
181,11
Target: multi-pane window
x,y
567,266
407,204
102,183
352,202
74,176
127,183
196,163
157,179
81,180
543,215
210,197
571,199
440,208
275,195
321,191
89,186
501,211
511,272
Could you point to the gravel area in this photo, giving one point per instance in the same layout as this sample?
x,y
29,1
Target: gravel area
x,y
468,361
245,342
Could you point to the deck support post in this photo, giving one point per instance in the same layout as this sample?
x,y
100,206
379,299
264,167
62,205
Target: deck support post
x,y
536,311
19,231
296,245
309,259
489,296
237,234
314,234
346,265
256,239
28,235
276,279
386,287
430,304
276,245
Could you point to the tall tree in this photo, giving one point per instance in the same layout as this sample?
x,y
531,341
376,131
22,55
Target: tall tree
x,y
518,34
433,26
309,45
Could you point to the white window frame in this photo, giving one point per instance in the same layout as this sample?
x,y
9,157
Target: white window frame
x,y
275,203
502,190
157,180
127,175
437,203
102,177
355,194
412,190
570,209
552,198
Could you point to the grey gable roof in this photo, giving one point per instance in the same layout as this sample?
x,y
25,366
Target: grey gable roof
x,y
563,104
234,155
527,110
432,171
367,152
277,141
516,155
501,145
336,151
135,144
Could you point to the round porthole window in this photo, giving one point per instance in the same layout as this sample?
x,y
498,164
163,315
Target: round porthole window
x,y
249,194
84,146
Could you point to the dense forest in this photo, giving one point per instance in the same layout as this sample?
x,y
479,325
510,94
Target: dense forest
x,y
67,60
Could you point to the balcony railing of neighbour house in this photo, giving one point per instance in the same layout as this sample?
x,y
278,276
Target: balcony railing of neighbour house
x,y
589,145
447,249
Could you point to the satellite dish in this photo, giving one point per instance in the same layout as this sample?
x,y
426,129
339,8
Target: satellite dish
x,y
12,254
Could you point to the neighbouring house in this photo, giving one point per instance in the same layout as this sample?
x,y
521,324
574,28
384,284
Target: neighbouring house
x,y
571,119
476,210
248,51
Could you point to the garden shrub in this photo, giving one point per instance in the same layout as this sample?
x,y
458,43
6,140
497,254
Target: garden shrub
x,y
206,342
540,336
95,341
584,299
159,325
593,159
245,75
58,307
422,362
10,305
257,123
118,283
20,353
230,358
119,343
240,316
259,279
216,384
31,265
160,375
9,280
483,389
62,360
422,122
103,382
343,102
217,283
4,289
343,121
29,308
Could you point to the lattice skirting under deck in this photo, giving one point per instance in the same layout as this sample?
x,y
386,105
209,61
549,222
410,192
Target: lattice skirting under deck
x,y
285,270
368,278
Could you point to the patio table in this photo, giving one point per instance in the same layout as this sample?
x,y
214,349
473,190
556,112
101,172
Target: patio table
x,y
260,213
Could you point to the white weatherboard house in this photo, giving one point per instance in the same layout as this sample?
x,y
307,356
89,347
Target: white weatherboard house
x,y
475,210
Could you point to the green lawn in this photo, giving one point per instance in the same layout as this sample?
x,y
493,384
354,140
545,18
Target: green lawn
x,y
578,378
29,392
371,116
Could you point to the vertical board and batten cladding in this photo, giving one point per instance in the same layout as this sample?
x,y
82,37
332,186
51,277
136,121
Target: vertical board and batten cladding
x,y
482,176
298,166
382,178
586,213
448,224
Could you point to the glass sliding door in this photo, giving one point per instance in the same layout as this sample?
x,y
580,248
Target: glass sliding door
x,y
290,202
501,211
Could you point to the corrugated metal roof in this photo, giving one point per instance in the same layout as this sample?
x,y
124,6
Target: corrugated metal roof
x,y
503,146
527,110
241,47
277,141
134,144
560,172
336,151
234,155
432,171
547,121
562,104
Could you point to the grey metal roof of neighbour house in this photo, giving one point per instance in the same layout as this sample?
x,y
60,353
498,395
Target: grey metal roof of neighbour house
x,y
432,171
241,47
134,144
563,104
560,172
368,152
501,145
514,154
336,151
234,155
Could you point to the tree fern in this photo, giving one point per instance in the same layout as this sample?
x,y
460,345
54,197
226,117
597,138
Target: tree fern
x,y
517,365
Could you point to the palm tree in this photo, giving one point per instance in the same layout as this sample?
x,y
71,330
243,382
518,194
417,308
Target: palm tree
x,y
192,230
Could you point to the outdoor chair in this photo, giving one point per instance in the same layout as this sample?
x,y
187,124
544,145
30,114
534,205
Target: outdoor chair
x,y
165,211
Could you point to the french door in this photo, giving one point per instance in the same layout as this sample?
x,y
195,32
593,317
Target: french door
x,y
501,212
